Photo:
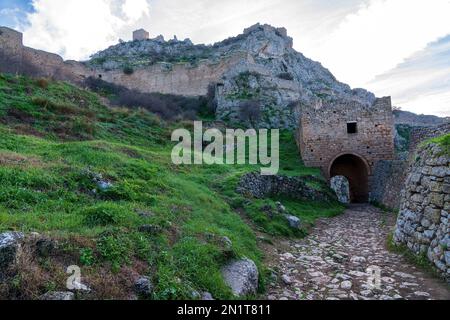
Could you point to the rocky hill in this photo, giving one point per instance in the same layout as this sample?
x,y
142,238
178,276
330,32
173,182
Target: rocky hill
x,y
269,82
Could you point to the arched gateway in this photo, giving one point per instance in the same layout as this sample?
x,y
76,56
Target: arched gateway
x,y
357,172
347,140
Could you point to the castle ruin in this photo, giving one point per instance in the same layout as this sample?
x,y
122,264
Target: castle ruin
x,y
140,35
348,140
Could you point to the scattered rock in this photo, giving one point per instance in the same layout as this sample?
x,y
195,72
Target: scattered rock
x,y
9,247
206,296
346,285
143,286
58,295
242,277
422,294
150,229
286,279
294,222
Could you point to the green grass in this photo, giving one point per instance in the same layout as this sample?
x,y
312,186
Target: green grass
x,y
54,136
444,142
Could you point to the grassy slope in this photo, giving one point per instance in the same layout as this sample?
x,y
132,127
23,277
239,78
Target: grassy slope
x,y
53,136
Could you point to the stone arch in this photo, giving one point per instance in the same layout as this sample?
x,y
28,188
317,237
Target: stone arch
x,y
356,169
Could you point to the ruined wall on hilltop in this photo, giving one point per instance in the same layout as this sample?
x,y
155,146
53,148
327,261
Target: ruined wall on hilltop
x,y
423,223
16,58
178,79
420,134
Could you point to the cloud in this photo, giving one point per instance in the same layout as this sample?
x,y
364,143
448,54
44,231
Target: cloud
x,y
78,28
381,35
422,82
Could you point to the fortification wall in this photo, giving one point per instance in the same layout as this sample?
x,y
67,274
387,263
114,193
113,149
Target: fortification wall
x,y
180,79
16,58
420,134
387,182
423,223
323,135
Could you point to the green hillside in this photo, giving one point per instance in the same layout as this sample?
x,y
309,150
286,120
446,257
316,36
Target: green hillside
x,y
58,141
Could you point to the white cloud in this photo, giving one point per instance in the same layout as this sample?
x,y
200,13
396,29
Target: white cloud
x,y
380,35
135,9
78,28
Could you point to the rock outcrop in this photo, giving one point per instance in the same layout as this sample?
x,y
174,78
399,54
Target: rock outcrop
x,y
423,224
10,243
259,65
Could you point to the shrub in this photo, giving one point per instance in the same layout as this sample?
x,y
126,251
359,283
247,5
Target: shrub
x,y
116,248
250,111
128,70
102,215
42,83
286,76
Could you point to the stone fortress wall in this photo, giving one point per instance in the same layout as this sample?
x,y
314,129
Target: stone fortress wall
x,y
16,58
423,223
322,134
179,79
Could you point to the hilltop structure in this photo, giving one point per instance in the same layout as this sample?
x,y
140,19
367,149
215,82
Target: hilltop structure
x,y
141,34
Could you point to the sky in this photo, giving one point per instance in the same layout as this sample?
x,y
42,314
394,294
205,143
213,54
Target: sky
x,y
398,48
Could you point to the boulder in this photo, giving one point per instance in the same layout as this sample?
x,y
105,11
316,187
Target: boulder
x,y
9,248
341,187
206,296
294,222
143,286
242,277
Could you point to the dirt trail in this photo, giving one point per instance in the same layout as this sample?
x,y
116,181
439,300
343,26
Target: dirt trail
x,y
332,263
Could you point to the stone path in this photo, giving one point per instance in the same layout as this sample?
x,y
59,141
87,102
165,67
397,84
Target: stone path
x,y
332,263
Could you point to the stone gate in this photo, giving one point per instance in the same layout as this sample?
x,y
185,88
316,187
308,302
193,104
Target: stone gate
x,y
348,140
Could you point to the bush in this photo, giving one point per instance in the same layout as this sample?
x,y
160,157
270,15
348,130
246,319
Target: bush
x,y
286,76
42,83
115,248
128,70
103,215
250,111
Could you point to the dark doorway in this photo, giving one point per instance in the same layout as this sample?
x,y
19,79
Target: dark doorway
x,y
355,170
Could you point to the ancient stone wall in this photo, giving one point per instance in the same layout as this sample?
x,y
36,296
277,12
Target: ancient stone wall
x,y
419,134
323,133
387,182
16,58
423,224
301,188
180,79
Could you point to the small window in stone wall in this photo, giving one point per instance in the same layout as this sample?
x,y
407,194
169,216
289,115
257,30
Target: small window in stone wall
x,y
352,127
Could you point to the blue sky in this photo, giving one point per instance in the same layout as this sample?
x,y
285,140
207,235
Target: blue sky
x,y
399,48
